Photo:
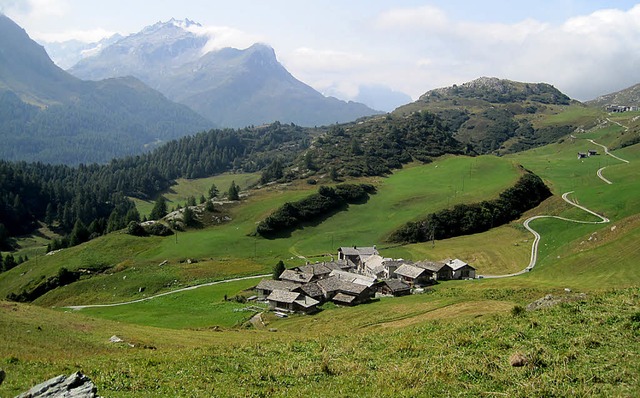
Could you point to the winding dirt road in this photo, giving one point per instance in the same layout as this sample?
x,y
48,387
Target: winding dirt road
x,y
565,197
79,307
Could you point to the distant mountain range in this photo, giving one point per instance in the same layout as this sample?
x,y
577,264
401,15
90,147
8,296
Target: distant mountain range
x,y
630,96
68,53
230,87
48,115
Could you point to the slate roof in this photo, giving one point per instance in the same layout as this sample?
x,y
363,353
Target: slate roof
x,y
315,269
456,264
334,284
343,298
430,265
310,289
349,251
330,284
353,278
283,296
340,264
358,251
306,301
396,285
295,276
410,271
270,284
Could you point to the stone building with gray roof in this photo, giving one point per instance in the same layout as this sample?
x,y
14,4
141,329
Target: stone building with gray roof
x,y
266,286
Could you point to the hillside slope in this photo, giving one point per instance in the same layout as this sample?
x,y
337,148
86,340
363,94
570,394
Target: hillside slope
x,y
630,96
494,115
48,115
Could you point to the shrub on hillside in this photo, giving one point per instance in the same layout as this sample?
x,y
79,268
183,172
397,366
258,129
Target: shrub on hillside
x,y
158,229
313,207
135,229
465,219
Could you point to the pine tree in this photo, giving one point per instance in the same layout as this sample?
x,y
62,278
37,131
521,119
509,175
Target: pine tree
x,y
49,215
187,216
202,199
333,174
234,192
9,262
159,209
4,235
79,234
213,191
278,269
1,263
132,215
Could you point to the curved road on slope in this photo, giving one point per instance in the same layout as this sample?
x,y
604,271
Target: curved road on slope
x,y
606,152
565,197
79,307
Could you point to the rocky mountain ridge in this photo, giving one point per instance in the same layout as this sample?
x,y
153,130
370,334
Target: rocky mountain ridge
x,y
231,87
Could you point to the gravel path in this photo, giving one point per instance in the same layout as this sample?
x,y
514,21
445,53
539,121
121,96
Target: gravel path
x,y
79,307
565,197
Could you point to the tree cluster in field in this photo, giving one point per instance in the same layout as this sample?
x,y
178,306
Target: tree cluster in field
x,y
465,219
10,261
155,229
312,208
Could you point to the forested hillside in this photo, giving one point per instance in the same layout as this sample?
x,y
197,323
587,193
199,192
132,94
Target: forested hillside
x,y
95,195
50,116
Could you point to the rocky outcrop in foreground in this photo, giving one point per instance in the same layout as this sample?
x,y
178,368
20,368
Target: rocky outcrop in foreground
x,y
76,385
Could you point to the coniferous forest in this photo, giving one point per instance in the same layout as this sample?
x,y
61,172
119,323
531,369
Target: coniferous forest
x,y
95,197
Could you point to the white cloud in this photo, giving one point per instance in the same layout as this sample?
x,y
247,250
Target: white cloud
x,y
86,36
328,61
224,36
332,72
34,9
424,18
585,56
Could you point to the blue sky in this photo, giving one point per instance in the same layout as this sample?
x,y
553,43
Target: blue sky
x,y
585,48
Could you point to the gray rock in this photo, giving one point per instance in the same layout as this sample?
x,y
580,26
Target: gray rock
x,y
115,339
76,385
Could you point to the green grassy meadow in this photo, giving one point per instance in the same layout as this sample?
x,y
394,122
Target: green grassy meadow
x,y
454,340
199,308
229,250
448,343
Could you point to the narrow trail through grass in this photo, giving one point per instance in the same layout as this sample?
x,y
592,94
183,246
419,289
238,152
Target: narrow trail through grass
x,y
565,197
79,307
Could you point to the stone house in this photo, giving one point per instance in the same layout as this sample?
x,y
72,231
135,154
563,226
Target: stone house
x,y
282,300
266,286
414,276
